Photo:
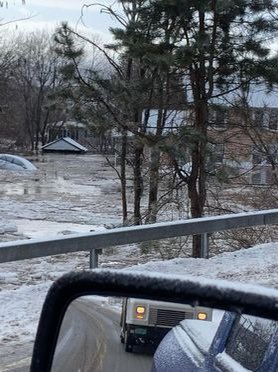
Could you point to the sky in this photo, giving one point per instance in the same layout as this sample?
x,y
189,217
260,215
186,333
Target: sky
x,y
48,14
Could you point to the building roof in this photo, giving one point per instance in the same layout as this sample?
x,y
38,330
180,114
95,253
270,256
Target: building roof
x,y
65,144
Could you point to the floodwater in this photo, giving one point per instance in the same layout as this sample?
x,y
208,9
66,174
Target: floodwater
x,y
48,184
67,193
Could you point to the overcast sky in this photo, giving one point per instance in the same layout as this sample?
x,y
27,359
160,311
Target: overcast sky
x,y
50,13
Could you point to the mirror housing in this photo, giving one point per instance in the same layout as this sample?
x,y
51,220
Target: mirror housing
x,y
240,298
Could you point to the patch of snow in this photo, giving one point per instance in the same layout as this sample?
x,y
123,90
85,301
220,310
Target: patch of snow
x,y
189,347
257,265
202,332
19,310
38,229
7,227
8,277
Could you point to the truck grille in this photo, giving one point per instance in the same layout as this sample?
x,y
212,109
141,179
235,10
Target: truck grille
x,y
167,318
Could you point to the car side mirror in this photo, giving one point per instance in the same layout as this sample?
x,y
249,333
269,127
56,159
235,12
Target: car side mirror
x,y
175,295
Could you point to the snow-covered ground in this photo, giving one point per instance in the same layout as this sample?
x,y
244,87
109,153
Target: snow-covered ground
x,y
78,194
20,302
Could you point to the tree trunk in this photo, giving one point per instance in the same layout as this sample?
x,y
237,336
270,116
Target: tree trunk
x,y
197,179
155,158
153,187
123,175
138,184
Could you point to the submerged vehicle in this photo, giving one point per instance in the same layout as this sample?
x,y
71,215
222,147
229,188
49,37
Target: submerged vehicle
x,y
14,162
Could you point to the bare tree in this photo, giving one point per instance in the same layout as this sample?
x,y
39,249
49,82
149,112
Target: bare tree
x,y
37,75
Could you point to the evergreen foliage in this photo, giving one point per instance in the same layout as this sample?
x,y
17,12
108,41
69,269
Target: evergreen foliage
x,y
175,55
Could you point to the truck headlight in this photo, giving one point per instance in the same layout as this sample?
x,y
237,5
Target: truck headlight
x,y
201,316
140,312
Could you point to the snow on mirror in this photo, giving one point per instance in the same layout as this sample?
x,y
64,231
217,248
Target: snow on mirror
x,y
128,334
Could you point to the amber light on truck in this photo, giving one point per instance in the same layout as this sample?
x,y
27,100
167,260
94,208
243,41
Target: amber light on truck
x,y
140,312
202,316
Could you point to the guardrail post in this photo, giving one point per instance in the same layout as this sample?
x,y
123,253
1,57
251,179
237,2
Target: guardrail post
x,y
94,258
205,245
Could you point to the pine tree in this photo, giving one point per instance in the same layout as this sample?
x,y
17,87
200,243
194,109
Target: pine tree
x,y
208,50
218,46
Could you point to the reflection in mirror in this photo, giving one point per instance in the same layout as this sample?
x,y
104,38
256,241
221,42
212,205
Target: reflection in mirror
x,y
230,342
118,334
248,341
127,334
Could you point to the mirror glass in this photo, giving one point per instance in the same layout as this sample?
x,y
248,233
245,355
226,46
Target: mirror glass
x,y
249,340
128,334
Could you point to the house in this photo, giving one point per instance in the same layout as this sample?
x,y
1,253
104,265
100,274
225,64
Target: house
x,y
81,133
76,130
244,143
64,145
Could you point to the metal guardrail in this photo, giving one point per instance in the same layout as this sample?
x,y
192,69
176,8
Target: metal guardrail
x,y
95,241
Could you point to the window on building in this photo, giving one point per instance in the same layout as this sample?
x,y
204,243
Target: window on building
x,y
221,118
256,178
273,120
218,117
257,158
258,118
216,153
